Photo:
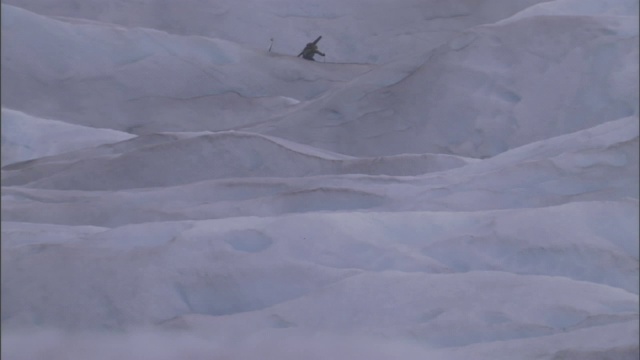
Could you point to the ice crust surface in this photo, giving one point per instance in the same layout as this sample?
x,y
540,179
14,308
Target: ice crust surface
x,y
455,180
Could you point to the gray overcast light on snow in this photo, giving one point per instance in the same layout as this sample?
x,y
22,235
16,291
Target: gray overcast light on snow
x,y
452,180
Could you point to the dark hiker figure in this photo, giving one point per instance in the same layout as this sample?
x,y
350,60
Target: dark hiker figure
x,y
310,50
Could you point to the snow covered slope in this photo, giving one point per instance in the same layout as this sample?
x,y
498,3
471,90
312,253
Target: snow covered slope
x,y
140,80
209,156
459,180
355,31
466,97
488,90
26,137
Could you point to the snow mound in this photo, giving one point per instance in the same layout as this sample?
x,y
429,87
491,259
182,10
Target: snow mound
x,y
199,157
26,137
442,300
597,164
610,342
554,171
235,265
579,8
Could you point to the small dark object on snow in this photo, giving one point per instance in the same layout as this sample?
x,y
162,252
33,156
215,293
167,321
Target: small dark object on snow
x,y
310,50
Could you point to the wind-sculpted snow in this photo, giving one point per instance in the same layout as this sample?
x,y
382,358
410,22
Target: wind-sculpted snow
x,y
209,156
118,78
25,137
579,8
455,180
449,104
355,31
443,302
277,259
590,165
559,170
470,98
606,342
